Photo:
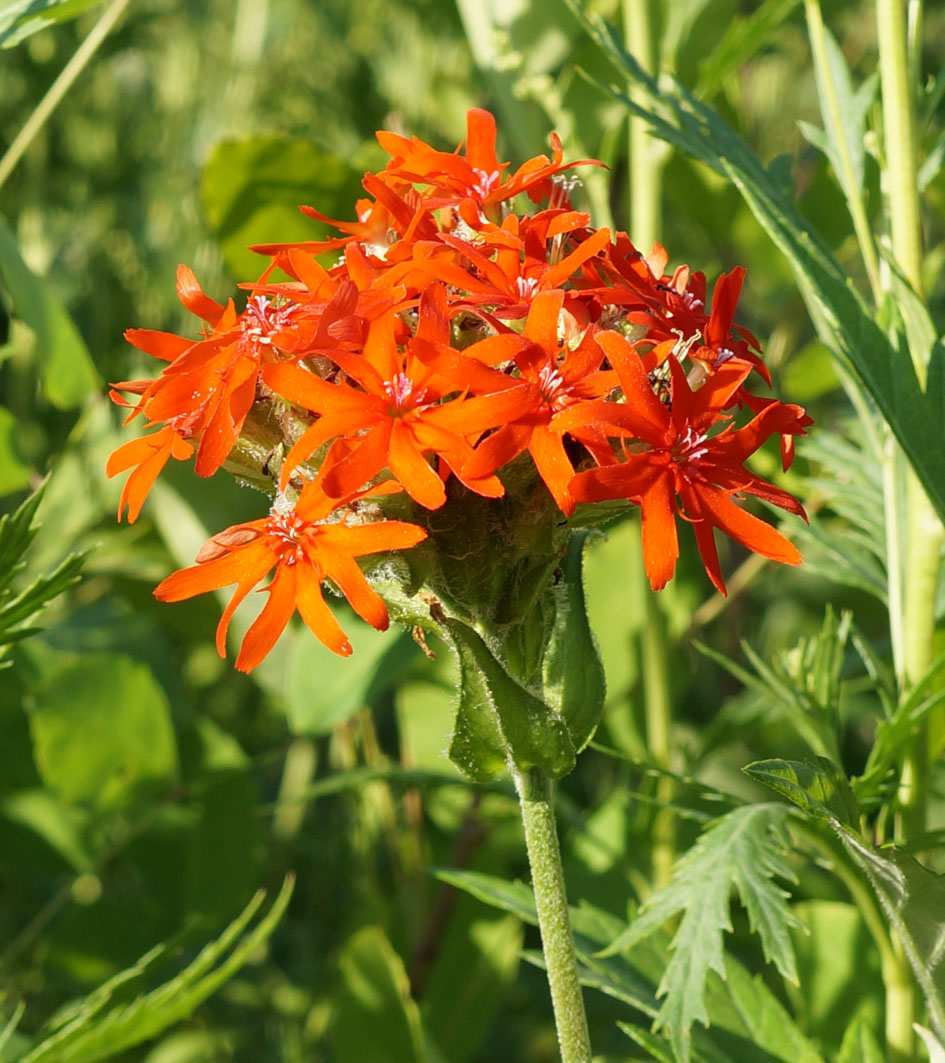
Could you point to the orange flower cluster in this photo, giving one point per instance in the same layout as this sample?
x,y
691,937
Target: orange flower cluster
x,y
451,336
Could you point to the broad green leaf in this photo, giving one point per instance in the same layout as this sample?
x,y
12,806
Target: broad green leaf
x,y
573,680
913,900
817,786
103,1025
746,849
68,373
20,19
252,190
323,690
498,719
59,825
14,472
839,970
375,1016
476,963
840,315
860,1044
101,729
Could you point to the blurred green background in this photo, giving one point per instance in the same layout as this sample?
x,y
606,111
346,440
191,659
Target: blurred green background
x,y
147,789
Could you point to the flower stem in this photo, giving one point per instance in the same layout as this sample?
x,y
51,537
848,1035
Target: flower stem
x,y
536,797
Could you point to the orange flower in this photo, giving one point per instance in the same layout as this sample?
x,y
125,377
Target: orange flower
x,y
145,457
305,550
551,380
679,458
395,418
477,175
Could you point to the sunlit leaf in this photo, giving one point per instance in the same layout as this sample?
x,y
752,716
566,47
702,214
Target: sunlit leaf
x,y
745,849
68,373
103,1025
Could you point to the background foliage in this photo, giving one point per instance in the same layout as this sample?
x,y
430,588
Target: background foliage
x,y
147,791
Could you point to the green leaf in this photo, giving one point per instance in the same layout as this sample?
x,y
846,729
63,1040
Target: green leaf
x,y
498,719
17,531
375,1016
476,963
743,39
68,373
746,849
839,313
913,900
839,969
860,1044
894,733
252,190
819,787
14,471
101,1026
844,115
20,19
101,729
323,690
573,680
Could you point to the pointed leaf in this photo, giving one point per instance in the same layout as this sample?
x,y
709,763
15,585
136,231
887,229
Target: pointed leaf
x,y
498,719
573,673
746,849
819,787
840,315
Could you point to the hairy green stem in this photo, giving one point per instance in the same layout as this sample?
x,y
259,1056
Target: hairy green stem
x,y
60,87
646,163
536,797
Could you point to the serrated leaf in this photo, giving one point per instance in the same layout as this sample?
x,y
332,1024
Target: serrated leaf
x,y
746,849
101,1028
819,787
498,719
68,373
840,315
573,680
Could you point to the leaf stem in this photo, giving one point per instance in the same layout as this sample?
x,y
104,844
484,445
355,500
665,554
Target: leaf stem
x,y
58,89
536,797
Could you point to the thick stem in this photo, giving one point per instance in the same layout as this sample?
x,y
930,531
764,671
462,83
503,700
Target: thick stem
x,y
919,565
536,796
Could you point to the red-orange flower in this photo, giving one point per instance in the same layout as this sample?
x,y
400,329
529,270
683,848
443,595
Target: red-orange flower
x,y
305,550
675,457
